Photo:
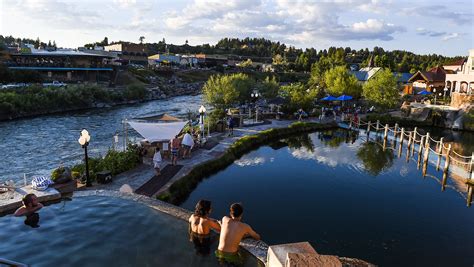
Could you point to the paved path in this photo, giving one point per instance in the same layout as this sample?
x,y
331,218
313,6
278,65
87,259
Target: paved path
x,y
140,175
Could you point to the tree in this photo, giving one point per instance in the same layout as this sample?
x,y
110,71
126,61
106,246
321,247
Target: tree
x,y
298,96
246,63
269,88
141,39
339,81
222,91
382,90
37,43
374,158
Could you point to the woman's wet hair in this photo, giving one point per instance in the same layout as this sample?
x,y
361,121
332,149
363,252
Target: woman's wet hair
x,y
28,199
203,207
236,210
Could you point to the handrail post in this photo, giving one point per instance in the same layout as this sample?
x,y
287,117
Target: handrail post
x,y
440,153
471,167
447,161
426,157
385,137
368,127
410,144
414,142
377,126
420,149
402,134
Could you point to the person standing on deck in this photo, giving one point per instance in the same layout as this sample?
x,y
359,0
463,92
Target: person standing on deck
x,y
175,144
187,144
157,161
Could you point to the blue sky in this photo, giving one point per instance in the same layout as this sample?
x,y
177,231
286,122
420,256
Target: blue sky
x,y
442,27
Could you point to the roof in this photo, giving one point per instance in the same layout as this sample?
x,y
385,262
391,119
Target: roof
x,y
364,74
435,74
59,53
161,117
458,62
403,76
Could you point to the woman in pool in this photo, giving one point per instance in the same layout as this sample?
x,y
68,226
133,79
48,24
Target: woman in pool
x,y
200,226
30,206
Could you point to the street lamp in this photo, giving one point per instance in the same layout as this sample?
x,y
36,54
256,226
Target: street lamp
x,y
84,142
445,91
255,96
434,92
202,111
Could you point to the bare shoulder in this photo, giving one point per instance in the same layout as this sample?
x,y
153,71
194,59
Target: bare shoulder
x,y
191,218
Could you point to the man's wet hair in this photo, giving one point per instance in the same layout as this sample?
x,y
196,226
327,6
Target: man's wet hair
x,y
236,210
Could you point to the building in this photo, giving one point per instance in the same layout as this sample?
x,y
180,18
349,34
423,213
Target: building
x,y
129,53
211,60
164,59
428,80
61,64
454,66
365,74
462,81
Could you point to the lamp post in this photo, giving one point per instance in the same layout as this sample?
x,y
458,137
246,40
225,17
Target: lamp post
x,y
84,142
445,91
202,111
255,96
434,92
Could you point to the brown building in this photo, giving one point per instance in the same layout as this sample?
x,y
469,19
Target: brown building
x,y
428,80
129,53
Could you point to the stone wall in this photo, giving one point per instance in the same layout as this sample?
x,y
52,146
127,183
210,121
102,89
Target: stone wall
x,y
459,100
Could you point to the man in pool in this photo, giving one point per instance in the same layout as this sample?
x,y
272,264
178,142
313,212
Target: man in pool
x,y
30,206
232,232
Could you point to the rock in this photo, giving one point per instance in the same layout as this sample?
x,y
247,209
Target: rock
x,y
126,189
309,259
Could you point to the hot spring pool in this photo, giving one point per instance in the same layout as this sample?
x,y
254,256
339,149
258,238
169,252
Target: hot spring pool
x,y
346,197
102,231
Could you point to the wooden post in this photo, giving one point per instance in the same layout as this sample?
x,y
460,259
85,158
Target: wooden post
x,y
471,167
385,137
395,130
402,134
410,143
440,153
377,126
414,142
368,127
469,195
427,140
426,156
447,161
420,149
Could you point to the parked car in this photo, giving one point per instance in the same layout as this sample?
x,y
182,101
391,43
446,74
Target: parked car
x,y
55,84
14,85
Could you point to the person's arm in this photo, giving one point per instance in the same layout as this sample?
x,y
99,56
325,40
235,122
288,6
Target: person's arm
x,y
214,224
35,208
252,233
20,212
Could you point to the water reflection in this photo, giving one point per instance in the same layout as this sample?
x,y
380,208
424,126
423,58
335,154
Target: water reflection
x,y
374,158
32,220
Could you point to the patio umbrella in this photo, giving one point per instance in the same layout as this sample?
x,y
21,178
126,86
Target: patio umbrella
x,y
329,98
424,92
344,98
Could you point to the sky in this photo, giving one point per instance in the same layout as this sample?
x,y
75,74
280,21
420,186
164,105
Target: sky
x,y
424,27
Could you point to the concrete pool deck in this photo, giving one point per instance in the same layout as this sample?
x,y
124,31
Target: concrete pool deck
x,y
137,177
13,200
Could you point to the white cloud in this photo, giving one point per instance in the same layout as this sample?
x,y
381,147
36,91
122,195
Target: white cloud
x,y
451,36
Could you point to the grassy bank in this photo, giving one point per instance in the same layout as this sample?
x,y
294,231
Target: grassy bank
x,y
37,100
180,190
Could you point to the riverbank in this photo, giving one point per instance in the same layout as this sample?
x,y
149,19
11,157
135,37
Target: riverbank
x,y
36,100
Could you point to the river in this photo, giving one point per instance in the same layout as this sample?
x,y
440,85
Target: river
x,y
36,146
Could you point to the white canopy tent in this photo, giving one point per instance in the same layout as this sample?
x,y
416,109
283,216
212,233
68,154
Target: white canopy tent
x,y
158,131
